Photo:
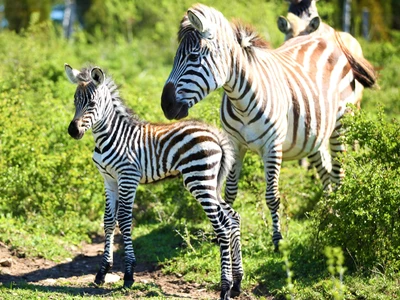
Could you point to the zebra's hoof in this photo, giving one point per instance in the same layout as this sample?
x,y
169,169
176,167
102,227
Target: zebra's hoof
x,y
235,293
100,279
128,284
236,289
225,296
226,289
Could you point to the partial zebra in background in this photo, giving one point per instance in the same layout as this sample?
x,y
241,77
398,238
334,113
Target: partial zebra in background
x,y
129,151
282,104
293,26
303,19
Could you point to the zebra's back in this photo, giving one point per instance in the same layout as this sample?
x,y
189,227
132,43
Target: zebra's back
x,y
302,112
159,151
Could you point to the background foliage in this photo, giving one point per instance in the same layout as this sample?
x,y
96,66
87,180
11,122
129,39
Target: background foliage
x,y
52,195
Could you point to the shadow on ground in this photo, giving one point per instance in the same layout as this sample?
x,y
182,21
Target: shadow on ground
x,y
76,277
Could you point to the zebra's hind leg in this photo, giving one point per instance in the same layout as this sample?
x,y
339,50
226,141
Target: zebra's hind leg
x,y
110,220
337,147
221,223
322,161
236,251
222,227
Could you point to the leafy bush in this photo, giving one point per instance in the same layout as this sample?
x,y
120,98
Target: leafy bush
x,y
47,180
363,216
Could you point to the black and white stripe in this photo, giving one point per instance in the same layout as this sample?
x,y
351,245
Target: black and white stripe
x,y
129,151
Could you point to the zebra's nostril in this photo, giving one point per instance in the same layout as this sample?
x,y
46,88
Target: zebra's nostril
x,y
74,130
169,104
168,94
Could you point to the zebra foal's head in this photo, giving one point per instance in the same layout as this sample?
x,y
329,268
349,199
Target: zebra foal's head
x,y
87,98
201,62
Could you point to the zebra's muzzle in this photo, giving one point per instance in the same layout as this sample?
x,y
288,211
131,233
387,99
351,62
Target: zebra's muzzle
x,y
74,129
172,108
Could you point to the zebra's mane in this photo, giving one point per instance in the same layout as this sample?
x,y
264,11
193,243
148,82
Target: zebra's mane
x,y
118,103
247,37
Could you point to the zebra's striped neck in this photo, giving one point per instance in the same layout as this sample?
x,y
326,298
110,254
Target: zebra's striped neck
x,y
114,110
243,87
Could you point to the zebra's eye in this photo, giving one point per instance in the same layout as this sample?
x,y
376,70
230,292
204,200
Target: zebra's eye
x,y
92,104
193,56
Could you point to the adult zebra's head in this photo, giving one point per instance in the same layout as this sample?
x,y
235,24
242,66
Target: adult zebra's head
x,y
293,25
305,9
87,99
201,62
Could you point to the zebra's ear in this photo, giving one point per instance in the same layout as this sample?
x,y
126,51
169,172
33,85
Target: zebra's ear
x,y
314,24
97,76
71,73
200,23
283,24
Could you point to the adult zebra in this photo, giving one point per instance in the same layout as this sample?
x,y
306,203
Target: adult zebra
x,y
282,103
129,151
303,19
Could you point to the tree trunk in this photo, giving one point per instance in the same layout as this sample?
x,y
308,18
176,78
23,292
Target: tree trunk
x,y
346,15
69,17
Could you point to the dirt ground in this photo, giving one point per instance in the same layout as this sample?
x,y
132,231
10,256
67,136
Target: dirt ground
x,y
76,275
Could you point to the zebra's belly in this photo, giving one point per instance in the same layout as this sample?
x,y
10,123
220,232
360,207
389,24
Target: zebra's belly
x,y
299,138
150,176
298,152
302,146
293,147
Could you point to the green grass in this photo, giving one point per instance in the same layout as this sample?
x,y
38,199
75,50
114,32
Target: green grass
x,y
30,291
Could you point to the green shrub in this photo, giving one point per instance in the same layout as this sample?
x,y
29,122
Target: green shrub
x,y
363,215
47,180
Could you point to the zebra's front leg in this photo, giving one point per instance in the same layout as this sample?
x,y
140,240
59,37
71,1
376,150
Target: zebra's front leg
x,y
232,180
110,220
222,226
127,185
272,167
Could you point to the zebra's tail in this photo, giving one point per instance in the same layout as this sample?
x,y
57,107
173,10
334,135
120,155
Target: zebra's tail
x,y
363,71
227,159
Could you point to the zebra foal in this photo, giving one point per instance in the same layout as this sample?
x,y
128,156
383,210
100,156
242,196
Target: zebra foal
x,y
129,151
284,104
